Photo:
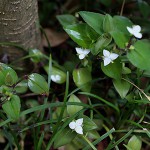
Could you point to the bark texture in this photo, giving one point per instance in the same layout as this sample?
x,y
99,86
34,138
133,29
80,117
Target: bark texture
x,y
19,25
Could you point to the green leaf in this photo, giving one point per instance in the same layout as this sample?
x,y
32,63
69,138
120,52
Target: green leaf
x,y
93,134
120,38
120,24
37,84
82,78
73,109
88,124
95,20
122,87
12,107
57,71
91,33
21,87
66,20
7,75
113,70
135,143
65,137
78,33
101,43
108,24
144,8
139,56
126,70
35,55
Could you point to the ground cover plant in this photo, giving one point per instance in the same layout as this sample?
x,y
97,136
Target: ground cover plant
x,y
89,91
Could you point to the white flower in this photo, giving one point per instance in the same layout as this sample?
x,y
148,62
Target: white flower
x,y
77,125
109,57
82,52
135,30
55,78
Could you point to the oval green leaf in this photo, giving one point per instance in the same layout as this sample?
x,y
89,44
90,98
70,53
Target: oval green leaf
x,y
139,56
82,78
7,75
135,143
113,70
12,107
37,84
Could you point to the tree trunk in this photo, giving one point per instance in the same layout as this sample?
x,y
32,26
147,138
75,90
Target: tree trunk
x,y
18,25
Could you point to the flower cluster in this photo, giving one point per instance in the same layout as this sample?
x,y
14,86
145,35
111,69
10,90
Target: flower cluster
x,y
109,57
135,30
76,125
82,52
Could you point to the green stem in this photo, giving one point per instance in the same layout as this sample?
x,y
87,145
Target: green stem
x,y
87,140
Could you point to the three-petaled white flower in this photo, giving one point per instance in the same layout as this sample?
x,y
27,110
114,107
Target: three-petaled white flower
x,y
82,52
135,30
55,78
77,125
108,57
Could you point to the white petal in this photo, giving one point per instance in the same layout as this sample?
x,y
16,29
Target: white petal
x,y
86,51
79,50
107,61
106,53
79,130
130,30
53,78
72,125
136,29
79,122
58,77
113,56
81,56
138,35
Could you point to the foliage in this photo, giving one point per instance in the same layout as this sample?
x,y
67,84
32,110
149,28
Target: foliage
x,y
84,102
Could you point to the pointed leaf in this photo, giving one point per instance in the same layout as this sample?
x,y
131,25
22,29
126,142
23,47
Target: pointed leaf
x,y
95,20
88,124
122,87
101,43
108,23
66,137
66,20
73,109
78,34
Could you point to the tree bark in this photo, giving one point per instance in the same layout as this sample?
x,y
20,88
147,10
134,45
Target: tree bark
x,y
18,25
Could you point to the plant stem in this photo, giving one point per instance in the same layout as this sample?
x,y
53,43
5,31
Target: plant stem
x,y
121,12
87,140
